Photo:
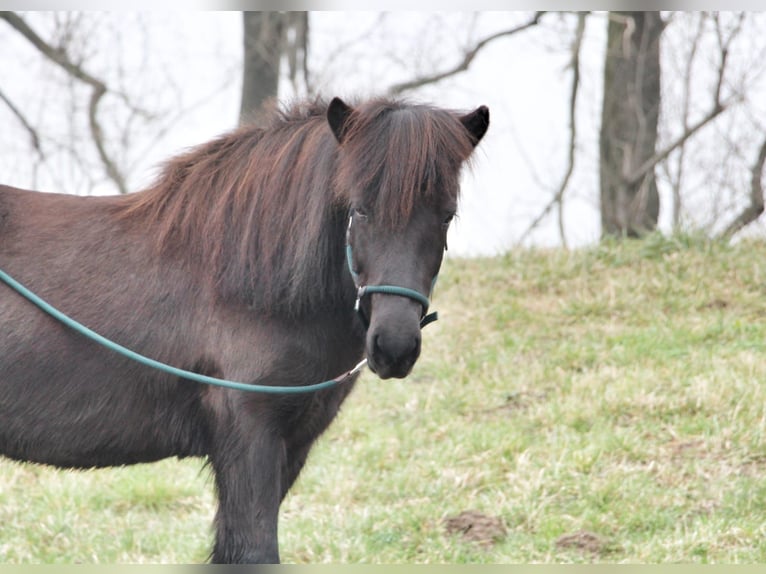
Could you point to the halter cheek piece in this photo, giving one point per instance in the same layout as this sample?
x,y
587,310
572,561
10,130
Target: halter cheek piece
x,y
363,290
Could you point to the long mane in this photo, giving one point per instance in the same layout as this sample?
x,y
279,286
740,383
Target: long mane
x,y
264,207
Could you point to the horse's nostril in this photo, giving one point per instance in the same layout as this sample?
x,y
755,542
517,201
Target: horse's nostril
x,y
376,347
394,349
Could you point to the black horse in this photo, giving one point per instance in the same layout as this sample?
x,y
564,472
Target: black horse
x,y
233,264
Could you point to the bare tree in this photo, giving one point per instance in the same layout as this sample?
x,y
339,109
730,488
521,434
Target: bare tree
x,y
89,109
558,197
717,185
756,204
686,72
270,37
276,48
59,56
631,149
630,112
274,41
468,56
629,198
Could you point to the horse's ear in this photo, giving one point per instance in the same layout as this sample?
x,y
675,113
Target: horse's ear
x,y
476,123
338,113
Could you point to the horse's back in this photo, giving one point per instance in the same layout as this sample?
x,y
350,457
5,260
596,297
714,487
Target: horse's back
x,y
48,223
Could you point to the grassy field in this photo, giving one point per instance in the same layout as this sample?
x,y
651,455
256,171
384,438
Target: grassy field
x,y
601,405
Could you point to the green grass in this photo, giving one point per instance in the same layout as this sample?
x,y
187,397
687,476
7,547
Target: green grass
x,y
617,390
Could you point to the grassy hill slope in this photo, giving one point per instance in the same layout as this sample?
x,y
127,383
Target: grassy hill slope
x,y
602,405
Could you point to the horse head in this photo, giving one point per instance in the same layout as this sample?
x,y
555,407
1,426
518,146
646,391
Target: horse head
x,y
399,171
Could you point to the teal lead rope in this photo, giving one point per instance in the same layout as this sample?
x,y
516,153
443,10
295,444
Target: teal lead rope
x,y
125,352
362,290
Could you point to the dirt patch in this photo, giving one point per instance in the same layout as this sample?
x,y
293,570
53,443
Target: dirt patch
x,y
584,541
687,449
477,527
714,304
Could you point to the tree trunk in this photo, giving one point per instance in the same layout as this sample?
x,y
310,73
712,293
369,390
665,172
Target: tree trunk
x,y
264,40
630,203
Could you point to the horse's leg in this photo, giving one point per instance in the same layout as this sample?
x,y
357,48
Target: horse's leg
x,y
248,481
299,444
294,460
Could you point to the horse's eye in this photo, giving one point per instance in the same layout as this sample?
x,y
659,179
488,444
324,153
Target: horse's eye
x,y
448,219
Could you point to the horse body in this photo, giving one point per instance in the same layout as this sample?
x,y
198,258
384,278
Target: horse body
x,y
62,399
249,285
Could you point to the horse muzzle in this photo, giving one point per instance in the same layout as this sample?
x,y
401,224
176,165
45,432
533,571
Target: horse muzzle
x,y
392,354
393,339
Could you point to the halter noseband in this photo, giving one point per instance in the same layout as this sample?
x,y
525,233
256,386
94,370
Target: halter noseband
x,y
362,290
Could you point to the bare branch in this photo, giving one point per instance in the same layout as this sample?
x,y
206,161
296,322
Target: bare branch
x,y
724,45
59,57
463,65
23,120
559,195
56,55
676,184
754,210
98,139
716,109
649,164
